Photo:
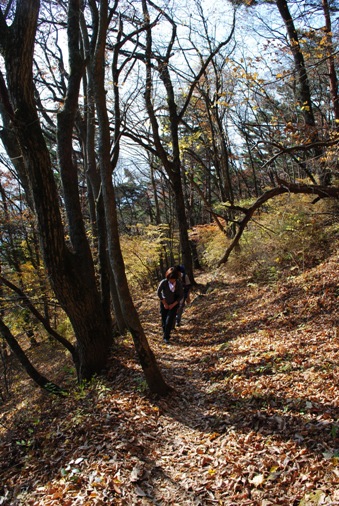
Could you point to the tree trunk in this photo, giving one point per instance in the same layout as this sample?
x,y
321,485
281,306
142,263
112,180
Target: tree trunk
x,y
25,301
149,365
38,378
71,272
330,51
304,88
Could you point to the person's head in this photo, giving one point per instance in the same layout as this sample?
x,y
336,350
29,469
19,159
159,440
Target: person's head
x,y
171,274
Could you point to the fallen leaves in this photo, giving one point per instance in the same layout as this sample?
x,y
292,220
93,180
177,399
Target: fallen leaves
x,y
253,419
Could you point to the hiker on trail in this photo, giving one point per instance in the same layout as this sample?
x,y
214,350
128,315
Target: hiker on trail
x,y
170,292
186,283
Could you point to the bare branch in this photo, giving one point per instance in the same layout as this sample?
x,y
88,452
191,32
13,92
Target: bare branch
x,y
285,187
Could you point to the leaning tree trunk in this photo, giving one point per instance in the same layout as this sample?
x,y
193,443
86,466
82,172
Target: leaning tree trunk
x,y
38,378
107,164
71,273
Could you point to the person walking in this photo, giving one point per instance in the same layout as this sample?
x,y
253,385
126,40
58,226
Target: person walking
x,y
186,283
170,292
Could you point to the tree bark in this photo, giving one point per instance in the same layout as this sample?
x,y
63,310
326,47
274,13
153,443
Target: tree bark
x,y
331,62
304,94
146,357
70,271
38,378
87,131
304,88
26,302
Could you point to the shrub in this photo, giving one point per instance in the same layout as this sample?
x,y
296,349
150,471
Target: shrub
x,y
145,252
285,238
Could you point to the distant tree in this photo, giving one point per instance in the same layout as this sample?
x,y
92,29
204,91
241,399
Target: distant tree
x,y
330,57
164,110
305,118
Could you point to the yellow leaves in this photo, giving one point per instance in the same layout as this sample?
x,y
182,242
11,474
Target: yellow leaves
x,y
212,472
223,103
324,40
305,106
190,141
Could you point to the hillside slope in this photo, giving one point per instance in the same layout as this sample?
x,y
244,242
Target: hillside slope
x,y
253,418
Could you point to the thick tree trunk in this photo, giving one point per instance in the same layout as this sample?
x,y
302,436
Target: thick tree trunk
x,y
146,357
108,288
71,273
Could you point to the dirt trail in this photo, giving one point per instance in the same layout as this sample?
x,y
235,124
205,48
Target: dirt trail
x,y
253,419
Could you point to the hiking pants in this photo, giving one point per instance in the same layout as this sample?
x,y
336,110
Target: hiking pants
x,y
167,319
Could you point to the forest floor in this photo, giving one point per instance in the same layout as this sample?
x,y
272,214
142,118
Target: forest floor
x,y
253,418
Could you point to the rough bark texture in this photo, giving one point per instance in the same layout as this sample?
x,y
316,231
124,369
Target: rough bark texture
x,y
71,273
146,357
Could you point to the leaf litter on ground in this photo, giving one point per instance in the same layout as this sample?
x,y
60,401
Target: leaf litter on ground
x,y
253,418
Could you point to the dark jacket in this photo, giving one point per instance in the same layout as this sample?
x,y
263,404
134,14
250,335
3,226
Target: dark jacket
x,y
164,291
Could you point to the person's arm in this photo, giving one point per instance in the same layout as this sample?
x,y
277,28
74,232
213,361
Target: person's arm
x,y
161,293
179,293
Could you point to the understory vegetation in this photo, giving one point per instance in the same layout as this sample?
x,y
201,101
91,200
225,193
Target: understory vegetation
x,y
287,236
